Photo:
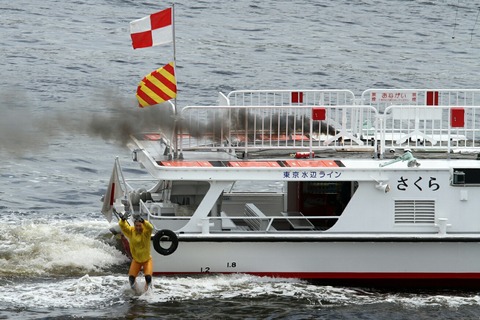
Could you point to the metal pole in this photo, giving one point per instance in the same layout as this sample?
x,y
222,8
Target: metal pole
x,y
175,113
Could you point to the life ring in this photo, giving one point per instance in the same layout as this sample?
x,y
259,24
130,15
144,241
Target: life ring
x,y
165,235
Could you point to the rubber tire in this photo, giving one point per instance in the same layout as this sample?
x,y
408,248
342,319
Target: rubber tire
x,y
171,236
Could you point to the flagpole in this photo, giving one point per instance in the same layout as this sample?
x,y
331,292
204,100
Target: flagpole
x,y
175,126
173,23
150,96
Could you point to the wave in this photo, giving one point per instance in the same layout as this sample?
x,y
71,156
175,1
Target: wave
x,y
55,247
103,295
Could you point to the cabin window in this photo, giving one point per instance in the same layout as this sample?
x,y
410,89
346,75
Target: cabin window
x,y
466,176
414,211
320,199
188,195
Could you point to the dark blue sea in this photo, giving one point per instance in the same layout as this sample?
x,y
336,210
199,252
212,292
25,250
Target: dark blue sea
x,y
68,77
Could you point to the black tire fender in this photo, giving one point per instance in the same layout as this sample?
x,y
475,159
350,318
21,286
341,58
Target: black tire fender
x,y
165,235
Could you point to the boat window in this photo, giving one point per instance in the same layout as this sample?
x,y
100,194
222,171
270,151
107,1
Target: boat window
x,y
188,194
466,176
322,199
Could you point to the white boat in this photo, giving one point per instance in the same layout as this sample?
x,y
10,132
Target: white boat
x,y
380,189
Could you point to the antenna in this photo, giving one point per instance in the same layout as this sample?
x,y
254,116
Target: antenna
x,y
455,23
476,19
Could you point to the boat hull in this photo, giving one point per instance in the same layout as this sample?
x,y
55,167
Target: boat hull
x,y
262,186
401,262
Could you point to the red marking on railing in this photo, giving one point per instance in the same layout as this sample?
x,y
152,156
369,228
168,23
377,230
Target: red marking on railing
x,y
185,163
310,163
250,164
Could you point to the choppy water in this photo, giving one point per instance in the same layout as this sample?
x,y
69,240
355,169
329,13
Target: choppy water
x,y
68,77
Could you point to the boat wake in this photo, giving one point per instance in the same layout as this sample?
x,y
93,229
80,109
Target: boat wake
x,y
251,287
73,268
99,292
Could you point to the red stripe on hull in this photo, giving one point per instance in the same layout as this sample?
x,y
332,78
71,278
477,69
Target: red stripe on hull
x,y
374,279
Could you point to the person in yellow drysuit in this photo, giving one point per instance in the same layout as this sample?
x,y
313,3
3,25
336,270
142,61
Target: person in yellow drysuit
x,y
139,237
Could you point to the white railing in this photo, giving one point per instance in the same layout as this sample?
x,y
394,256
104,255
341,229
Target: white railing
x,y
383,98
442,119
311,120
245,128
290,98
425,127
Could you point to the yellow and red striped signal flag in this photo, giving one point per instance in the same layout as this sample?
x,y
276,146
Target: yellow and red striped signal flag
x,y
157,87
